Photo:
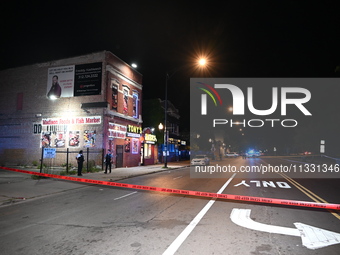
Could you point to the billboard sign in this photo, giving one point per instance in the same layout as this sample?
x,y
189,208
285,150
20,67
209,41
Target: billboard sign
x,y
74,80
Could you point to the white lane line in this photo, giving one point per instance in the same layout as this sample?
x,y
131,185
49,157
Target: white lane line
x,y
125,195
186,232
177,177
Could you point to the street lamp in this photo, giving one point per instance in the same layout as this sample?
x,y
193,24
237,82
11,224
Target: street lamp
x,y
202,62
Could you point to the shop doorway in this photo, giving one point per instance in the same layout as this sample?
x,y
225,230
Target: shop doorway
x,y
119,156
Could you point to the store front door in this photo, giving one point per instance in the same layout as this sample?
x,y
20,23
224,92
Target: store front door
x,y
119,156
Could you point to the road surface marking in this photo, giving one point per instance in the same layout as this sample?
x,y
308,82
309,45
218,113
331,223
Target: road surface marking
x,y
186,232
308,193
242,218
312,237
125,195
177,177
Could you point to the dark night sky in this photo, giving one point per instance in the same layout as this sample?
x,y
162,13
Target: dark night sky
x,y
241,38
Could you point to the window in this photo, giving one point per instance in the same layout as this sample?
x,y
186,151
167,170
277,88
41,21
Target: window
x,y
114,97
147,150
135,104
125,100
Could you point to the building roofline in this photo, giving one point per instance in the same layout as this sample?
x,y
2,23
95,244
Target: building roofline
x,y
50,62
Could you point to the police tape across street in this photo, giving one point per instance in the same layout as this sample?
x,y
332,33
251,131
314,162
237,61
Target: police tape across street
x,y
187,192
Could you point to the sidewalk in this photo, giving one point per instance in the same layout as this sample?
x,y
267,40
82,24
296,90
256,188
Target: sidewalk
x,y
16,187
127,172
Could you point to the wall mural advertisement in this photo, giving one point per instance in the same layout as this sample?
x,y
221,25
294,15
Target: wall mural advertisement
x,y
58,139
60,132
74,80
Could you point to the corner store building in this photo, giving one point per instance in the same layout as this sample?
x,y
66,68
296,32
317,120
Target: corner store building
x,y
97,106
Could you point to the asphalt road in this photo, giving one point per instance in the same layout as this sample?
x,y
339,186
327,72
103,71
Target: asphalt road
x,y
97,219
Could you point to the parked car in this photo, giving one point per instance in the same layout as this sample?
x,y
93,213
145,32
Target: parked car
x,y
200,160
232,155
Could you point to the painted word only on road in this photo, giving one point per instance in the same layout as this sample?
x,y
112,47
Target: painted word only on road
x,y
265,184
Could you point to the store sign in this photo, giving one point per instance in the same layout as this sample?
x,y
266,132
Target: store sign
x,y
151,139
174,140
117,131
134,131
72,121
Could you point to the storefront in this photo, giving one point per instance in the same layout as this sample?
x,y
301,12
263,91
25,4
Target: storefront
x,y
125,144
150,150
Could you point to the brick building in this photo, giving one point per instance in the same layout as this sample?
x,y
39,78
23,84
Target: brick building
x,y
90,102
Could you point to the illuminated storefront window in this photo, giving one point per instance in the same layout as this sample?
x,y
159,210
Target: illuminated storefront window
x,y
147,150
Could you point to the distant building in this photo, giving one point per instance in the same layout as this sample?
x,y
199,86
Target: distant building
x,y
153,110
90,103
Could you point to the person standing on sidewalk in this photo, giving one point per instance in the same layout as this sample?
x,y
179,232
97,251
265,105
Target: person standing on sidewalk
x,y
108,161
80,159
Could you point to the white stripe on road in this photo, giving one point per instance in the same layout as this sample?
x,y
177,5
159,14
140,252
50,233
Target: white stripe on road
x,y
125,195
186,232
177,177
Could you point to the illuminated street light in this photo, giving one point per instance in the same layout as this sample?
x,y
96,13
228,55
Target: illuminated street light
x,y
134,65
202,62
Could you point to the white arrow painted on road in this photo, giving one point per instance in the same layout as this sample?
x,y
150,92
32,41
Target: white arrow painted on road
x,y
312,237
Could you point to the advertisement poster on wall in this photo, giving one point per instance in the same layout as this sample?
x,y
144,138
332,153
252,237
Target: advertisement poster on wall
x,y
88,79
134,146
45,139
60,82
74,80
59,139
89,138
73,138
